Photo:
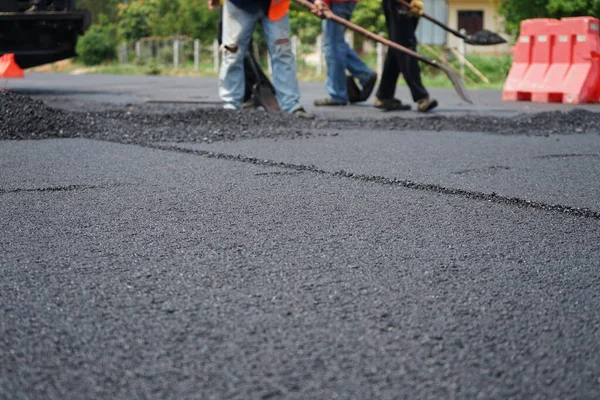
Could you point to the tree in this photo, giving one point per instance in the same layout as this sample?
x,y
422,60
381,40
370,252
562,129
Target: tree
x,y
134,21
98,44
100,7
516,11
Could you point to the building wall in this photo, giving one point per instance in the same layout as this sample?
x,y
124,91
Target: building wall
x,y
429,33
491,21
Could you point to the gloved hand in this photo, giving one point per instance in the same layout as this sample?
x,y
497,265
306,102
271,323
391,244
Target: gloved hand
x,y
416,8
320,7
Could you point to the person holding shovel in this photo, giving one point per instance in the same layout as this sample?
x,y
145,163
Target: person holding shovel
x,y
339,57
239,20
402,23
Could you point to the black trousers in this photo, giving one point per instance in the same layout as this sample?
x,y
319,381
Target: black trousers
x,y
401,29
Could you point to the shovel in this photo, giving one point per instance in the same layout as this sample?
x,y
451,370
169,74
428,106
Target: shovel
x,y
263,90
454,78
481,38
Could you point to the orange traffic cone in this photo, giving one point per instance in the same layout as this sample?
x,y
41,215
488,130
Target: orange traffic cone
x,y
9,68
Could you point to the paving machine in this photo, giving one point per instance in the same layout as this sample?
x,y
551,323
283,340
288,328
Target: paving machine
x,y
39,32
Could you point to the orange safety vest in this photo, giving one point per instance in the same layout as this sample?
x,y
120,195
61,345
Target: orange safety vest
x,y
278,9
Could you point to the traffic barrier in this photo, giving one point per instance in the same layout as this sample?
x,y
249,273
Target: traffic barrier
x,y
547,78
9,67
556,61
582,79
531,48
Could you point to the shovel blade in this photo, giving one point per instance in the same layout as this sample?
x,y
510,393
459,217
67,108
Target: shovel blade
x,y
265,96
485,38
457,83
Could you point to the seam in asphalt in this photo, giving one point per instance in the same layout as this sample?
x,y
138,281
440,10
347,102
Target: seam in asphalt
x,y
69,188
489,197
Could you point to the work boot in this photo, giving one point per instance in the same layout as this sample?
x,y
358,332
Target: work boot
x,y
328,102
353,90
250,104
302,113
368,87
391,105
427,104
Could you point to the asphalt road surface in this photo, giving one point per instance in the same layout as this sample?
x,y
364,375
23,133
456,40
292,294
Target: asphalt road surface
x,y
353,260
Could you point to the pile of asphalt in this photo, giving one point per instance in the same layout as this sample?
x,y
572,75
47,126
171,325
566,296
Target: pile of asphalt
x,y
543,123
486,37
22,117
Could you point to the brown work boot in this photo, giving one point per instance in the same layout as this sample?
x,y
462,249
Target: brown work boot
x,y
427,104
328,102
302,113
391,105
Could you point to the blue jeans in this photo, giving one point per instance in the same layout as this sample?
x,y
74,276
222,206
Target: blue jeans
x,y
340,57
238,26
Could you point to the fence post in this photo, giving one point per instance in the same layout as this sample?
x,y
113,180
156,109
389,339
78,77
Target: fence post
x,y
216,56
176,53
379,58
123,53
138,49
196,55
319,54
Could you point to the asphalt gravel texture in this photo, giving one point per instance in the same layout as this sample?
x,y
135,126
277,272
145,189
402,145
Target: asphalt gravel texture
x,y
25,118
135,269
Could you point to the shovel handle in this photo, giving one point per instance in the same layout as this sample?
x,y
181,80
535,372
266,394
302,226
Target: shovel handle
x,y
455,79
328,14
437,22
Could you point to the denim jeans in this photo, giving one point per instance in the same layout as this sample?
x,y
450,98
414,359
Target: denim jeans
x,y
238,26
339,56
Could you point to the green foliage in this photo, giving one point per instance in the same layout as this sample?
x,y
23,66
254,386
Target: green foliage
x,y
153,69
97,45
369,15
307,27
516,11
100,7
304,24
134,21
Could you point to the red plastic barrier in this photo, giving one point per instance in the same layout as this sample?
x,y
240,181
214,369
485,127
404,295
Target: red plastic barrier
x,y
582,80
556,61
9,68
550,89
531,58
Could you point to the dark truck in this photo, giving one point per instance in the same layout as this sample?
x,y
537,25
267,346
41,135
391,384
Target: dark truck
x,y
40,31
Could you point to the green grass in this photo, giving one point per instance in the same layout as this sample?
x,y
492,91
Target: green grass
x,y
495,68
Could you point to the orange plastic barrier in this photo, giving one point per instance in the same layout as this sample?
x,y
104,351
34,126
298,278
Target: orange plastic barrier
x,y
9,67
582,79
518,84
556,61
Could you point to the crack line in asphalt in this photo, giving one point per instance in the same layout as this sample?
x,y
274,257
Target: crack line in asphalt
x,y
565,155
69,188
493,197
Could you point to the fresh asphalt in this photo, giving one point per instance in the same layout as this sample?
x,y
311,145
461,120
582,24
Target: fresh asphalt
x,y
348,264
